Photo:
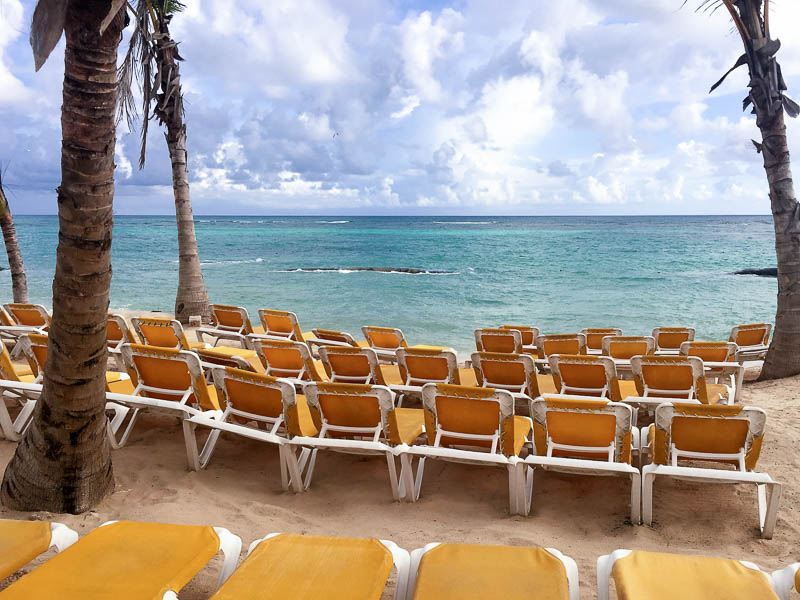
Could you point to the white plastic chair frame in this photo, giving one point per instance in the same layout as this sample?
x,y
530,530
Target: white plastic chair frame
x,y
263,313
610,340
517,391
690,332
757,352
556,360
698,371
174,324
325,354
11,306
296,376
523,329
447,354
487,333
219,332
731,377
768,490
384,354
605,331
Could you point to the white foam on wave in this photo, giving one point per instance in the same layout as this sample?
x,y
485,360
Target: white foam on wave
x,y
348,271
464,222
212,263
332,222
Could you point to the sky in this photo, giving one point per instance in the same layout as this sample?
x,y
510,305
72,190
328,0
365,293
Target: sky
x,y
351,107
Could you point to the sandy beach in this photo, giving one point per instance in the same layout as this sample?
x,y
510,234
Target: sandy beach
x,y
583,517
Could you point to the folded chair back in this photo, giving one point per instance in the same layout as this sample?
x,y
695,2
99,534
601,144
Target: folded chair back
x,y
528,333
671,338
117,332
350,410
247,394
626,347
221,357
510,372
499,339
6,319
332,335
710,351
576,427
7,370
565,343
678,377
384,338
351,365
32,315
467,416
721,433
595,335
34,348
168,374
583,375
232,318
280,323
419,366
160,332
751,334
286,358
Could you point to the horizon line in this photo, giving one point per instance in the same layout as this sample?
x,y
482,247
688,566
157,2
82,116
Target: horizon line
x,y
444,216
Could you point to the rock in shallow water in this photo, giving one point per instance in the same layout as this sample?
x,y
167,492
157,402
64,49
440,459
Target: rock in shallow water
x,y
770,272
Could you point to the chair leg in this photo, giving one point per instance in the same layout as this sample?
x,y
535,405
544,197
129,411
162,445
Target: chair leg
x,y
190,440
636,499
648,479
407,489
418,479
208,448
292,467
119,442
769,498
312,462
393,476
604,564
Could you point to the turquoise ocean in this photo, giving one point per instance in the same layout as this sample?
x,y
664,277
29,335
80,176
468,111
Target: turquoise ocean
x,y
558,273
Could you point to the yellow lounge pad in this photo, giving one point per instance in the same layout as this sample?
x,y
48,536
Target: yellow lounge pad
x,y
627,388
123,561
410,423
300,567
305,420
429,348
391,374
522,427
467,377
20,543
547,384
473,572
251,356
642,575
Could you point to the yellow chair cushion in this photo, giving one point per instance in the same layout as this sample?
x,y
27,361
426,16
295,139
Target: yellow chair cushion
x,y
305,420
27,378
251,356
522,427
124,561
661,576
196,345
476,572
122,386
627,388
716,391
20,543
547,384
310,567
22,370
391,374
407,425
467,377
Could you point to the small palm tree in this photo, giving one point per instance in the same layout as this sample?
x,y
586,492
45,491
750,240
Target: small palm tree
x,y
19,280
153,60
63,462
768,102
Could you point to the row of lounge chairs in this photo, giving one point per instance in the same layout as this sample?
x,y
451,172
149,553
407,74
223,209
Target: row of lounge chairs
x,y
125,559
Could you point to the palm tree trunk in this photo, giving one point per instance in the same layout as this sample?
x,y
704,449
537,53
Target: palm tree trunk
x,y
192,297
783,358
63,463
19,281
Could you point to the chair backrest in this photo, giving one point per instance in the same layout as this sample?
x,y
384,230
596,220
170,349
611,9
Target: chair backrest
x,y
498,339
33,315
231,318
347,409
676,377
419,366
724,433
247,393
595,335
671,338
351,365
160,332
528,333
118,333
506,371
564,343
332,335
710,351
217,356
384,338
578,427
751,334
467,416
626,347
285,358
168,374
34,348
7,370
281,323
584,375
6,318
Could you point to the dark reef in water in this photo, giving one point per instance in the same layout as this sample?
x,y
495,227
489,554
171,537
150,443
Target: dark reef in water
x,y
770,272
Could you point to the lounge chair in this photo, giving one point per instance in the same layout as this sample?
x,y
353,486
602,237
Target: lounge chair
x,y
473,426
10,329
626,347
168,381
660,576
257,407
515,373
480,571
163,333
384,341
118,332
675,377
287,359
718,352
752,340
29,315
499,340
124,559
565,343
719,436
231,323
332,337
669,339
359,419
574,434
786,581
528,334
22,541
358,365
419,366
13,428
228,356
282,324
586,375
595,335
287,565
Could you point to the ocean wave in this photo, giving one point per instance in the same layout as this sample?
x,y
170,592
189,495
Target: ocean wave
x,y
216,263
386,270
464,222
332,222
